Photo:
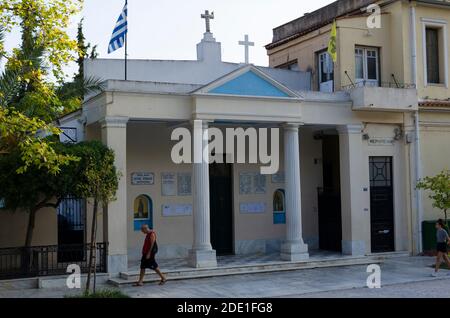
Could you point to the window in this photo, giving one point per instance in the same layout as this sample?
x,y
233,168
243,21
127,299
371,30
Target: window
x,y
143,212
367,66
435,51
291,66
279,208
432,55
68,135
326,72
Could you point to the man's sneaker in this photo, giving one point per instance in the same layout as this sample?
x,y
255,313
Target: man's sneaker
x,y
434,274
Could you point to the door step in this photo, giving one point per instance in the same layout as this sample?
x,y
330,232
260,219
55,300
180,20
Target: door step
x,y
391,254
127,278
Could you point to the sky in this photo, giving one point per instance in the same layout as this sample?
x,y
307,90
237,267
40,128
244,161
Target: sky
x,y
170,29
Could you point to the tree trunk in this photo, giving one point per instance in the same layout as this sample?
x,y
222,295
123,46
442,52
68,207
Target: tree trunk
x,y
445,213
93,245
30,228
26,256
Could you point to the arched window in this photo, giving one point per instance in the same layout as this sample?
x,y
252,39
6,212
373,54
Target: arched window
x,y
279,207
143,212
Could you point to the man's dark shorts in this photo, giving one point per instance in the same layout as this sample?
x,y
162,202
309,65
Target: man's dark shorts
x,y
148,263
442,247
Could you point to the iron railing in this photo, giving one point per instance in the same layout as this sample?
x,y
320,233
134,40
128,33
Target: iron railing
x,y
382,84
20,262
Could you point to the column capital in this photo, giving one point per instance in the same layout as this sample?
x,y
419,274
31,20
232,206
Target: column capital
x,y
114,122
205,122
292,126
350,129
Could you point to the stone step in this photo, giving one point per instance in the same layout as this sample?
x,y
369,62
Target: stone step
x,y
127,278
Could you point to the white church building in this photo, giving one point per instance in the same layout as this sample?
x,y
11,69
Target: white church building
x,y
343,182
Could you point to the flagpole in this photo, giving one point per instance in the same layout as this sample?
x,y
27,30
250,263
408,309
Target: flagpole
x,y
126,45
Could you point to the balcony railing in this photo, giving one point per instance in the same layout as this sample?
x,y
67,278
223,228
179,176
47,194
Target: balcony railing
x,y
377,84
20,262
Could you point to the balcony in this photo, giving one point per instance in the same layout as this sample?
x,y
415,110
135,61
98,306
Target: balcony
x,y
390,97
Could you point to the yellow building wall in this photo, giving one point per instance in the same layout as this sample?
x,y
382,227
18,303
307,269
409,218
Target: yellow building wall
x,y
435,152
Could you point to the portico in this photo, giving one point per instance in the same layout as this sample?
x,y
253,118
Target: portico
x,y
319,193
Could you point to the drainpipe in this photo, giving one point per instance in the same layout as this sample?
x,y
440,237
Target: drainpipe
x,y
412,40
417,161
418,174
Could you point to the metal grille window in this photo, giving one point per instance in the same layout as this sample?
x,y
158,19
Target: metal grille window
x,y
380,171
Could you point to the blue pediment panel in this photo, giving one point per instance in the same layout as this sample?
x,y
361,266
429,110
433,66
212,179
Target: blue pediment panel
x,y
249,84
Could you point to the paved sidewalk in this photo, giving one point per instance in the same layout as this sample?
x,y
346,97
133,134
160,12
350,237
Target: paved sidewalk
x,y
323,282
303,282
427,289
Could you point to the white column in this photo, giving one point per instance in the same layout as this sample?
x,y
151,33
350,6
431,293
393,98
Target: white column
x,y
293,249
114,135
202,255
355,195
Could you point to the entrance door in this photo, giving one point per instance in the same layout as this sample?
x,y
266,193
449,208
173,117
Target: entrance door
x,y
381,204
330,223
71,230
221,207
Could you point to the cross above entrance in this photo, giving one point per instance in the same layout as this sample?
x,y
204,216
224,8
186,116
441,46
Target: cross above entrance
x,y
247,44
207,16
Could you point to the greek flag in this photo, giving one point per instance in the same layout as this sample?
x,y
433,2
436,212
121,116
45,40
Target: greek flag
x,y
120,30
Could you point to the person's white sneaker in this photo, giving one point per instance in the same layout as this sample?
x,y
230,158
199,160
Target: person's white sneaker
x,y
434,274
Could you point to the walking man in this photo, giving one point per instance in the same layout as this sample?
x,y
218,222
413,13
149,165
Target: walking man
x,y
149,251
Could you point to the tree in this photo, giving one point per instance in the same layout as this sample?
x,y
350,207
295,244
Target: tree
x,y
72,93
45,49
47,22
25,137
100,183
439,188
36,187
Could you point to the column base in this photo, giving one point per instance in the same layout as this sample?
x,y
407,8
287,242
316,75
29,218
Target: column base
x,y
202,258
117,263
293,252
355,248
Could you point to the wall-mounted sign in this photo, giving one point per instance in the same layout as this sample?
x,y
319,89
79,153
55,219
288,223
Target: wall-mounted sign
x,y
252,207
168,184
381,141
176,210
252,183
184,184
142,178
259,184
278,177
245,183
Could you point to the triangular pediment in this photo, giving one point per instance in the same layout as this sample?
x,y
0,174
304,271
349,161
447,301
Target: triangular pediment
x,y
247,81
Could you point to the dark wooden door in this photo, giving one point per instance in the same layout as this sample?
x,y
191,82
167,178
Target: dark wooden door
x,y
381,204
221,209
329,197
330,223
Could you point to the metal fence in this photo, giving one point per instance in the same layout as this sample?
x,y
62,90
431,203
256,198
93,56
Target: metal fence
x,y
20,262
393,84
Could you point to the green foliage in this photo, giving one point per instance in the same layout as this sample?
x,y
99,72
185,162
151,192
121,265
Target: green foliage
x,y
104,293
72,93
26,136
100,177
47,21
439,188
